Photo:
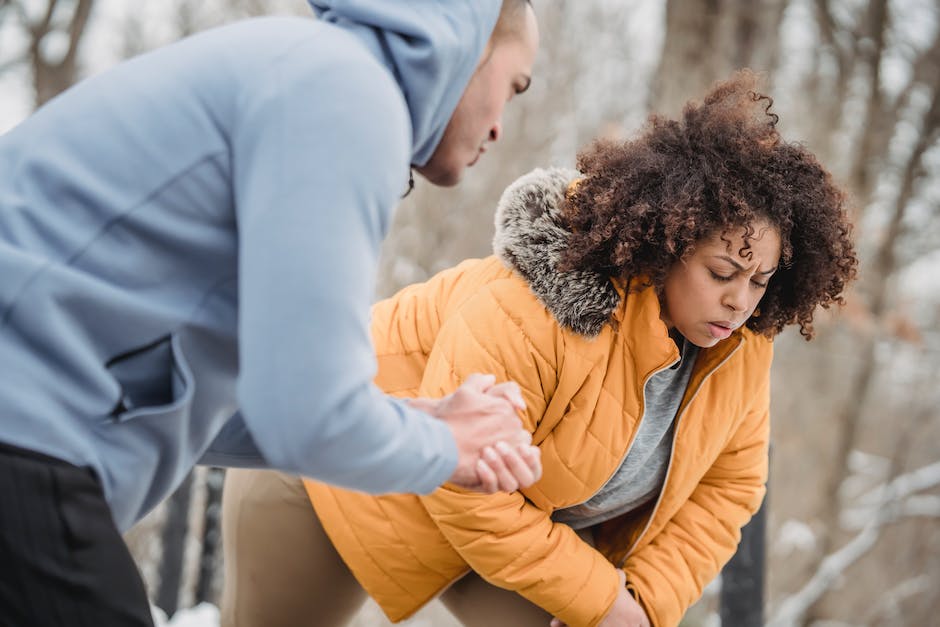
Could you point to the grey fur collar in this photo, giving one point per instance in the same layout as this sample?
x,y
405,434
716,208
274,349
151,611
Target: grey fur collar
x,y
530,239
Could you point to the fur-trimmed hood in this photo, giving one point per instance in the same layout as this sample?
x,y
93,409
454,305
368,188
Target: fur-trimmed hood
x,y
530,238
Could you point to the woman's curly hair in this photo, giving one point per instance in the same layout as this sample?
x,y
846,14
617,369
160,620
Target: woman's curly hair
x,y
643,204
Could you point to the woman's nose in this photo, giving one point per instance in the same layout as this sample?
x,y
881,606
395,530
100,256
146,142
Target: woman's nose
x,y
736,297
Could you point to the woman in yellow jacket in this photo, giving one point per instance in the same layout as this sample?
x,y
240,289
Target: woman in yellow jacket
x,y
634,301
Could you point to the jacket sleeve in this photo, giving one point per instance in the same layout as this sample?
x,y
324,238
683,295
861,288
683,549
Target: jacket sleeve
x,y
668,574
320,156
503,537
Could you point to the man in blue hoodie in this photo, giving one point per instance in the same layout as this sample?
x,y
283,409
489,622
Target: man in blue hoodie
x,y
188,246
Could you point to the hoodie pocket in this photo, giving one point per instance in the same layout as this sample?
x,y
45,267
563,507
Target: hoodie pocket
x,y
155,379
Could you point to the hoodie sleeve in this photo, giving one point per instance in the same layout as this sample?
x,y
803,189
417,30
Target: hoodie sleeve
x,y
320,157
233,447
668,574
504,537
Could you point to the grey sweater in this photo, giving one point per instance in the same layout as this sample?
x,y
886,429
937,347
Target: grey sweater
x,y
642,473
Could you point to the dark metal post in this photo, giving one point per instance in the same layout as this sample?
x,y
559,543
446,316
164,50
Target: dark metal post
x,y
742,580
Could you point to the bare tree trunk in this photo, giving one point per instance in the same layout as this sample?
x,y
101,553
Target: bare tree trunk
x,y
5,6
53,76
828,93
875,135
707,40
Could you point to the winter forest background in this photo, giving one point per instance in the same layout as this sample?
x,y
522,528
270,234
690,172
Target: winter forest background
x,y
854,502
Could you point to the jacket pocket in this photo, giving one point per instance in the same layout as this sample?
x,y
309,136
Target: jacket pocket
x,y
154,379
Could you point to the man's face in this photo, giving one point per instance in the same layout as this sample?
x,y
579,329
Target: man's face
x,y
506,70
713,291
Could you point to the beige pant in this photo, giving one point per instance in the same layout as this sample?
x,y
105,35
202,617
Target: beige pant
x,y
282,570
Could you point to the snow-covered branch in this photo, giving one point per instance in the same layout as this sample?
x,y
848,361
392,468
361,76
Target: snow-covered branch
x,y
883,505
896,493
792,609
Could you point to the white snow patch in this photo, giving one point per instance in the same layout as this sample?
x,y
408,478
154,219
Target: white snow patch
x,y
794,535
203,615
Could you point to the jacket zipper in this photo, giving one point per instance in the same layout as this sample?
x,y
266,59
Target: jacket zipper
x,y
672,451
633,439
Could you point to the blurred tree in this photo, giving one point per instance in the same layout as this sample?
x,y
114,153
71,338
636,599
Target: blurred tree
x,y
707,41
52,32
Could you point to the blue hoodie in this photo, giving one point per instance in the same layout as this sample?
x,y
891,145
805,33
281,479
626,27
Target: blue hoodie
x,y
188,246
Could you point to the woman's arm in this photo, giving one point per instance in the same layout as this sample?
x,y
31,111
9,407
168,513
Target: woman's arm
x,y
625,612
503,537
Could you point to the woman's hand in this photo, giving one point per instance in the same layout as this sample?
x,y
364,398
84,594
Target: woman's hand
x,y
625,612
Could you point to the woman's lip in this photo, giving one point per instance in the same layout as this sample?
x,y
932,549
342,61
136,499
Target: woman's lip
x,y
718,331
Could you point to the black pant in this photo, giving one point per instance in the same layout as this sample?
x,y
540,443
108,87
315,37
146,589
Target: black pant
x,y
62,560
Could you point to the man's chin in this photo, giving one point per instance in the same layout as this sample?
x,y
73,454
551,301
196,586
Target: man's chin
x,y
442,177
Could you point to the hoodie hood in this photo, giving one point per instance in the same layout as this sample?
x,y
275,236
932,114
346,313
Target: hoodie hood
x,y
530,237
431,48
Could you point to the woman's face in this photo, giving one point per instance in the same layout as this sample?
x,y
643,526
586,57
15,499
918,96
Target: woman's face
x,y
714,290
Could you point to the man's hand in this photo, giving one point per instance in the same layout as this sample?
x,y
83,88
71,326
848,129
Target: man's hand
x,y
494,451
625,612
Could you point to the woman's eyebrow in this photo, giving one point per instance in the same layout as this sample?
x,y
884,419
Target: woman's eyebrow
x,y
740,267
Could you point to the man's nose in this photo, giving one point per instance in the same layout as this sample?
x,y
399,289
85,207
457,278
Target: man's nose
x,y
496,131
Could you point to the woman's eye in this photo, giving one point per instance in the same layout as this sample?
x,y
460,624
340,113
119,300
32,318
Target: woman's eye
x,y
759,285
720,278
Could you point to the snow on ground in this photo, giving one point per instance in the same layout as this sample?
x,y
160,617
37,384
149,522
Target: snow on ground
x,y
203,615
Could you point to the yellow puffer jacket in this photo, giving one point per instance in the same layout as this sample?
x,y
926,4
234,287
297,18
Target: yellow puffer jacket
x,y
582,378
